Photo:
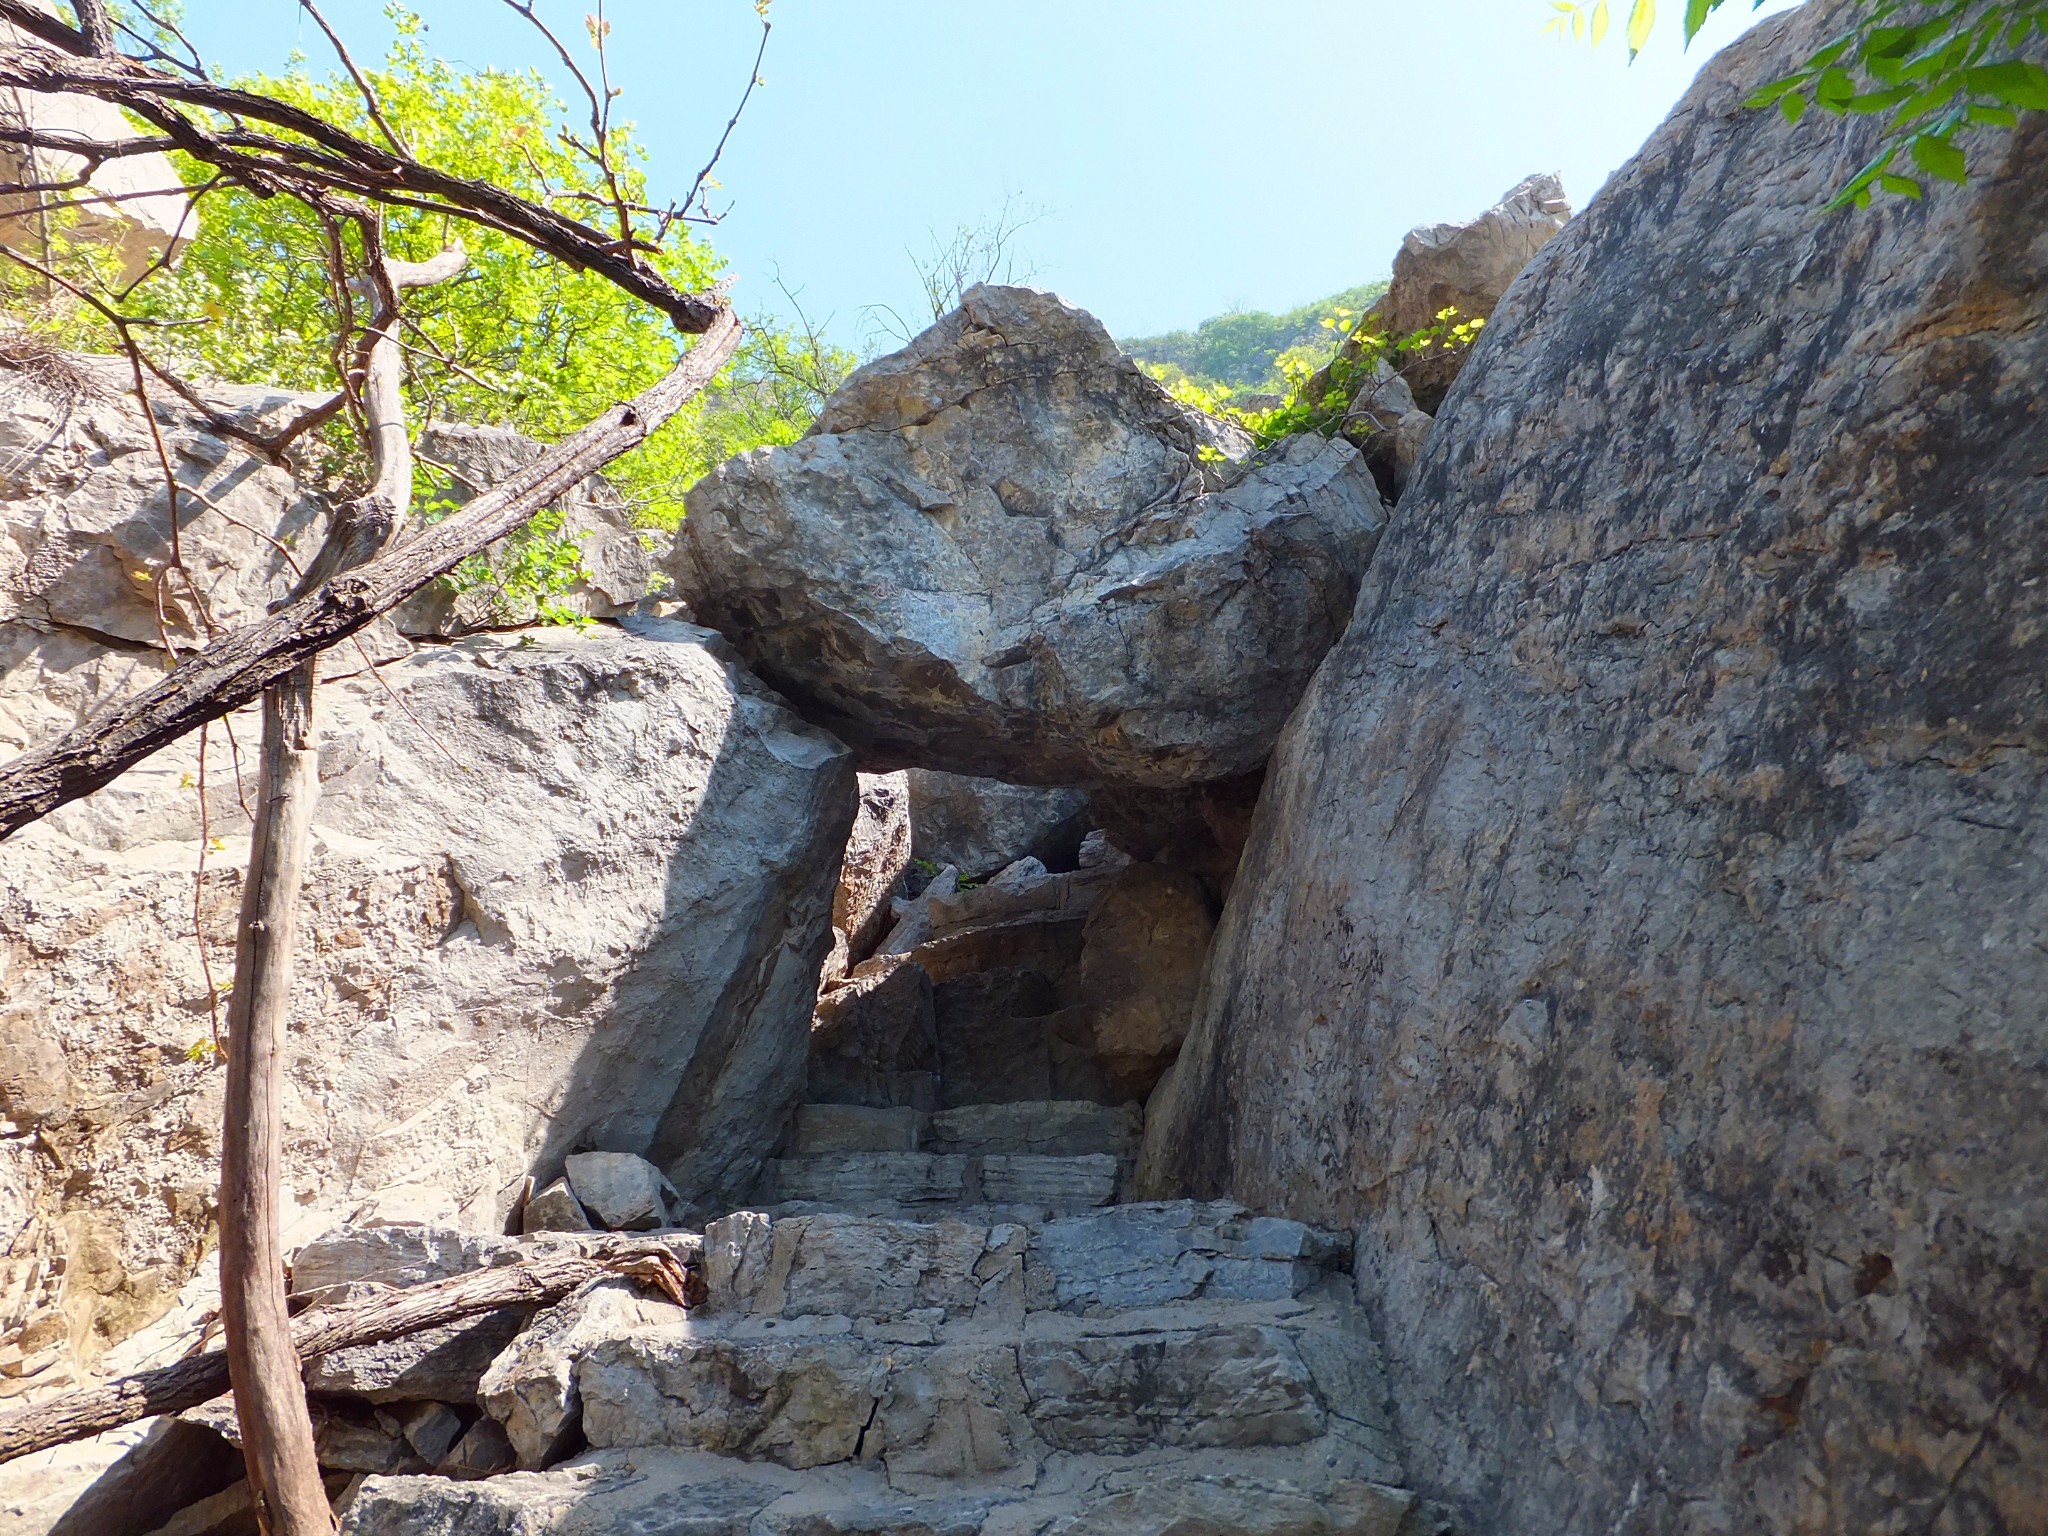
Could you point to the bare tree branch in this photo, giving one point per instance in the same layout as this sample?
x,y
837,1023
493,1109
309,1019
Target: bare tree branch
x,y
369,95
339,161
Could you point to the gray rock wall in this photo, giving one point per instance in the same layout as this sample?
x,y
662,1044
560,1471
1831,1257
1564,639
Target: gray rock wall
x,y
1643,940
569,890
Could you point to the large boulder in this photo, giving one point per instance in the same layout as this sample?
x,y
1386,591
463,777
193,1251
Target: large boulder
x,y
85,531
567,892
1642,937
995,554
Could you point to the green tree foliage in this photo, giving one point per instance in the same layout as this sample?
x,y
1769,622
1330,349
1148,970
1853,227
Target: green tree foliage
x,y
1243,350
518,339
1935,70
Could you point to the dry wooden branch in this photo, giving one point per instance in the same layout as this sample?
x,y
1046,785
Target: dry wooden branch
x,y
331,159
234,669
200,1378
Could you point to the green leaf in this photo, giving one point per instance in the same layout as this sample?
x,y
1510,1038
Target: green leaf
x,y
1770,95
1877,101
1938,157
1696,13
2015,82
1833,89
1600,20
1995,117
1793,106
1901,186
1642,17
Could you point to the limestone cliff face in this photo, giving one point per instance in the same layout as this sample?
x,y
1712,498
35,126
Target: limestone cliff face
x,y
1644,936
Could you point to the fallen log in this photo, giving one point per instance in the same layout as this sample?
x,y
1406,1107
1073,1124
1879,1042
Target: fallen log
x,y
200,1378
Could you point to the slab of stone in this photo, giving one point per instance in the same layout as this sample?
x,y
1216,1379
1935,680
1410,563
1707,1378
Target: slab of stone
x,y
878,851
1243,1506
833,1265
979,826
860,1180
828,1128
662,1492
392,1255
555,1209
431,1429
808,1397
1157,1253
620,1191
530,1388
1049,1128
1217,1386
1056,1183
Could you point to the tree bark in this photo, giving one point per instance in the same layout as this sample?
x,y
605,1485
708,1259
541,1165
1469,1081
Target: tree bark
x,y
238,666
270,1399
201,1378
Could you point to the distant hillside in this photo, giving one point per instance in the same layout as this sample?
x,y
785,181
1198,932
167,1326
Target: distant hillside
x,y
1242,349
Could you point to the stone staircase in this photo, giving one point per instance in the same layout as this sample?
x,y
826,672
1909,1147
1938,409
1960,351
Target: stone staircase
x,y
943,1315
1176,1369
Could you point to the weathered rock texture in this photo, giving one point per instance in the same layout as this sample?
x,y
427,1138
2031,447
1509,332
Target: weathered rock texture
x,y
85,531
566,892
870,871
1467,267
980,826
1642,939
994,554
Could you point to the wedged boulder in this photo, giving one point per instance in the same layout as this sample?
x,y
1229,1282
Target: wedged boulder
x,y
567,892
994,554
1468,267
980,826
1641,941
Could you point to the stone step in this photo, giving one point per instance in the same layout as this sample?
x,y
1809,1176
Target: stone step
x,y
896,1181
688,1494
825,1129
1048,1128
973,1401
985,1399
1121,1257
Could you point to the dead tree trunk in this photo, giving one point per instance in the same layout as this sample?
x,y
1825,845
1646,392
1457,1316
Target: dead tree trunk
x,y
270,1398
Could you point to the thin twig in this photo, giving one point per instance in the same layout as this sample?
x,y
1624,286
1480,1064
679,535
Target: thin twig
x,y
363,85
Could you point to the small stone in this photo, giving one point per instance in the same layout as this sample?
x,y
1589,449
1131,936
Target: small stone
x,y
430,1428
555,1209
483,1451
619,1191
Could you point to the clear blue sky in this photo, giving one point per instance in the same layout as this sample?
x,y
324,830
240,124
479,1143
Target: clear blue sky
x,y
1190,156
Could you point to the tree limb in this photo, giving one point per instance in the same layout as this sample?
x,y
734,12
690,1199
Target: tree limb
x,y
234,669
201,1378
352,163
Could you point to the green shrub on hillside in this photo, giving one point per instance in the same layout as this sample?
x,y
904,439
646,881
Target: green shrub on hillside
x,y
1242,351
